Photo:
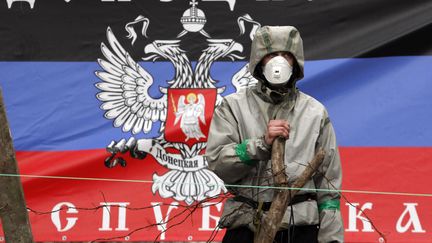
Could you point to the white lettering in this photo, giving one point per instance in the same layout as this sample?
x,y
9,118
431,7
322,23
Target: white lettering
x,y
160,220
353,215
206,216
414,221
55,216
106,216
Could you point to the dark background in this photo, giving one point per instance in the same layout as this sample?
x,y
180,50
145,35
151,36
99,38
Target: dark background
x,y
330,28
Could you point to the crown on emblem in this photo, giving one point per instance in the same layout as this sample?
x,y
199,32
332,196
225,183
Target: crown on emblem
x,y
193,19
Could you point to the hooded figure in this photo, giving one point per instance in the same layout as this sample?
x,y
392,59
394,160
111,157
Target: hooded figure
x,y
239,146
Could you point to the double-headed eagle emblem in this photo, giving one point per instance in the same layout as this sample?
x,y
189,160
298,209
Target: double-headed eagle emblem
x,y
124,93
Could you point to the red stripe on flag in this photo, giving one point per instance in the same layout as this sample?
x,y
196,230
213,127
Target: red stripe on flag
x,y
403,218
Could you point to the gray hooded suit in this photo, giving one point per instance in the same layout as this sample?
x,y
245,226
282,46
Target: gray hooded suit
x,y
237,153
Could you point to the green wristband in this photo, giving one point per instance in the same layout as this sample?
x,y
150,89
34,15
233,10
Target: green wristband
x,y
329,205
241,152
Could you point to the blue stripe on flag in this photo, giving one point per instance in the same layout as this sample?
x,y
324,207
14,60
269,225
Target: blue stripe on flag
x,y
372,102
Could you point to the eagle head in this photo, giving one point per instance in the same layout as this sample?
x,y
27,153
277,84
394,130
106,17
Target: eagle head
x,y
168,49
220,48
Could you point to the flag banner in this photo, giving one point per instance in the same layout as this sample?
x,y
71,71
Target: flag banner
x,y
84,79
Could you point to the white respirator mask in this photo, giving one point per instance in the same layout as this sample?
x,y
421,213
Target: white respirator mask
x,y
277,71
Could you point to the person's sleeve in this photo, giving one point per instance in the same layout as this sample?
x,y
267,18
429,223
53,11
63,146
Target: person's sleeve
x,y
229,156
328,178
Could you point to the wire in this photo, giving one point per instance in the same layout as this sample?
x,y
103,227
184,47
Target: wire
x,y
221,185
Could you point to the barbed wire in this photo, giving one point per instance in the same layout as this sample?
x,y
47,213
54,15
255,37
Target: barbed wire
x,y
188,210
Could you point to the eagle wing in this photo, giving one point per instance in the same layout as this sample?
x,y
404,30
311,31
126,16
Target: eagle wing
x,y
124,90
180,109
243,79
201,104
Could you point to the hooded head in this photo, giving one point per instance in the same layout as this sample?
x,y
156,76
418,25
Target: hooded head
x,y
271,39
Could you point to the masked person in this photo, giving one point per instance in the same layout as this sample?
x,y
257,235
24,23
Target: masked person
x,y
243,129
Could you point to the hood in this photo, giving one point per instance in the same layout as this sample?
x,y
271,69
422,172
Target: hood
x,y
269,39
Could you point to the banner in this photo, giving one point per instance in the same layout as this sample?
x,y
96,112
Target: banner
x,y
77,75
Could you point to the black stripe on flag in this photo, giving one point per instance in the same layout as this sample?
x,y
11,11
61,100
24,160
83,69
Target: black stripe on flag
x,y
73,30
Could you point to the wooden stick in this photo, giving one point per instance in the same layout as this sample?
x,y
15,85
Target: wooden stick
x,y
13,211
270,225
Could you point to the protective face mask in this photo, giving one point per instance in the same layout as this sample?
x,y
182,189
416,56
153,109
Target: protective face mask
x,y
277,71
